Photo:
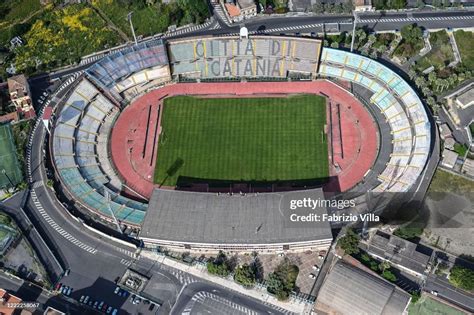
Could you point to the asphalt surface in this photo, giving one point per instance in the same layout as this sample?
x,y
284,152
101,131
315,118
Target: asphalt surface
x,y
448,292
191,290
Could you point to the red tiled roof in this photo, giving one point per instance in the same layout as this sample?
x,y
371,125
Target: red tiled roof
x,y
232,10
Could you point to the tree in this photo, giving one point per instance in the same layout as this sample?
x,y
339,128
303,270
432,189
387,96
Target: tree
x,y
338,8
384,265
318,8
347,6
410,232
462,277
411,33
219,266
245,275
282,281
349,242
415,296
372,38
275,286
387,274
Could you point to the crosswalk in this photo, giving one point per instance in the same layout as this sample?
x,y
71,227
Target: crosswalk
x,y
318,26
59,229
222,304
183,277
126,262
37,184
126,252
218,11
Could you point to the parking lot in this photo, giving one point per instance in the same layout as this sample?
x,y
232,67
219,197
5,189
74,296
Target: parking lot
x,y
106,298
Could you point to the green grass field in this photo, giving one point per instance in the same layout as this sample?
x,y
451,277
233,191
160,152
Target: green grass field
x,y
243,139
8,160
429,306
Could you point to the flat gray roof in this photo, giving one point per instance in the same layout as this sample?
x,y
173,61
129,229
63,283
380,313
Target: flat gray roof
x,y
231,219
466,97
350,290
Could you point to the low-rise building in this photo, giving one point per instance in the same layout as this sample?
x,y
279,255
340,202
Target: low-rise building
x,y
20,95
240,10
412,258
468,167
7,303
459,113
362,5
449,158
348,290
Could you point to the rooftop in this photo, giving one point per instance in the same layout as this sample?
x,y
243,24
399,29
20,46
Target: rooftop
x,y
233,10
466,98
245,3
400,251
223,219
18,83
350,290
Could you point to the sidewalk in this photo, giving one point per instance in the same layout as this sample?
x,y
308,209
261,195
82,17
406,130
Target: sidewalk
x,y
256,293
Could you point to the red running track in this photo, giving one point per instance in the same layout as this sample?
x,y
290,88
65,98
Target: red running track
x,y
358,131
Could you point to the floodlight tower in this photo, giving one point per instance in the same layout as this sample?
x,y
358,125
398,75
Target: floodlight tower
x,y
129,17
107,196
354,30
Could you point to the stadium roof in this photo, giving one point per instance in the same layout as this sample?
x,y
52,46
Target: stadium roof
x,y
191,217
350,290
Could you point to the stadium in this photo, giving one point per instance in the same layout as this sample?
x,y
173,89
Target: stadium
x,y
196,143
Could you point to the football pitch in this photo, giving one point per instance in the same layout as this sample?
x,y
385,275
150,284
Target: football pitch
x,y
263,139
10,171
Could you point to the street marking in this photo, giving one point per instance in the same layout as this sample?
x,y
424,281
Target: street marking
x,y
57,228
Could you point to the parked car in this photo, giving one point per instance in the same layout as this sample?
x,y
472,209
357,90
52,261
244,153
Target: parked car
x,y
96,303
69,291
117,290
82,299
65,289
311,276
58,286
100,305
315,267
109,309
114,312
86,299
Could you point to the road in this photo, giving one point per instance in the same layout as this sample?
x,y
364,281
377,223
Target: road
x,y
448,292
191,290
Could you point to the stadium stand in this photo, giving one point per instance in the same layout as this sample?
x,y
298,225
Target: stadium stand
x,y
260,56
84,121
135,66
402,108
80,153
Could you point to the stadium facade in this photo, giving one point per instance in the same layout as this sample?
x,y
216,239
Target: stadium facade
x,y
84,118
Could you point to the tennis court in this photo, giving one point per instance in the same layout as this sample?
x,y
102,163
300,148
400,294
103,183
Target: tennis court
x,y
10,170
